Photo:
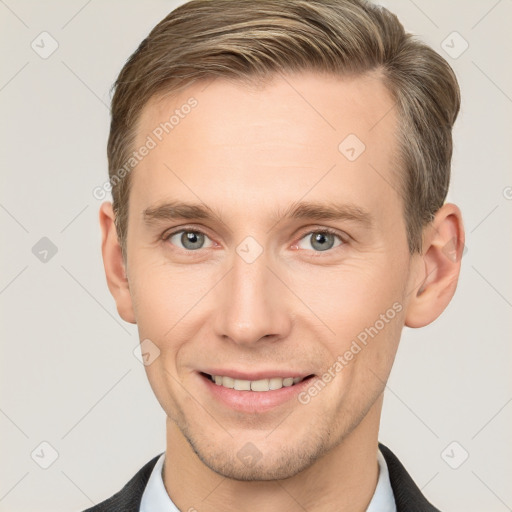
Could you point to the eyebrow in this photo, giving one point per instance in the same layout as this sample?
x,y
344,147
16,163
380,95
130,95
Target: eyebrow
x,y
177,210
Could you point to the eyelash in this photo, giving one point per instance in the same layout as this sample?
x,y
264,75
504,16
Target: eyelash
x,y
325,230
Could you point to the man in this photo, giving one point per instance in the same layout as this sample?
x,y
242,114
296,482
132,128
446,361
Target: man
x,y
279,171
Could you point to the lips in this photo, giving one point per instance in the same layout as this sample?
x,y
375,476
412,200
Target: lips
x,y
254,396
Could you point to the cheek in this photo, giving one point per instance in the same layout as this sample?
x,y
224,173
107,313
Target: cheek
x,y
361,306
362,358
351,296
162,295
169,304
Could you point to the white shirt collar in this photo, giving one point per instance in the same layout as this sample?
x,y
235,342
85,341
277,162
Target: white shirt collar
x,y
383,498
156,499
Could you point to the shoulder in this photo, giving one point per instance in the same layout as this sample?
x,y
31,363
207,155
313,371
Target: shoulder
x,y
129,497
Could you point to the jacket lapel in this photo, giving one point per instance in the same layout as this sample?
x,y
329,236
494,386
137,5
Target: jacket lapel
x,y
408,497
129,497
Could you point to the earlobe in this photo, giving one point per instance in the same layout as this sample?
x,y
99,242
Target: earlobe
x,y
114,265
440,267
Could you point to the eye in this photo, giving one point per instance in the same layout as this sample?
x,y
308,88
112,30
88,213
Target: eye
x,y
320,240
190,240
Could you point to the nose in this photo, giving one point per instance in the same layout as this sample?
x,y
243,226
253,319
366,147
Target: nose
x,y
251,303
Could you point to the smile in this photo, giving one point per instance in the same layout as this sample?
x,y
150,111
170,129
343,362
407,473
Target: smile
x,y
270,384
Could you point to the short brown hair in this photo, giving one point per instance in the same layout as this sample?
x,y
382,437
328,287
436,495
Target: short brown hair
x,y
253,39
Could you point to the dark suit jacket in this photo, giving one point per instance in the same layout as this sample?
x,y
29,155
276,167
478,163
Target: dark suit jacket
x,y
408,497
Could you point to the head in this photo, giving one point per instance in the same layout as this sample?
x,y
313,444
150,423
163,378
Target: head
x,y
279,119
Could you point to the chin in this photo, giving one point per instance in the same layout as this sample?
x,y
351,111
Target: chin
x,y
271,469
259,461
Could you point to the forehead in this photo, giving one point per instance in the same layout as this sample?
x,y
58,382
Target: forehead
x,y
234,145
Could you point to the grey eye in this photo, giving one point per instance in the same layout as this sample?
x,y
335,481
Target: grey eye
x,y
321,240
189,240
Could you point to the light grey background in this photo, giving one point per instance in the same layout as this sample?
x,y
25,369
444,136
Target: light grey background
x,y
69,376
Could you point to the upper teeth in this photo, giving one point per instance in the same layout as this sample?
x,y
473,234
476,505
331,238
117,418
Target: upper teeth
x,y
255,385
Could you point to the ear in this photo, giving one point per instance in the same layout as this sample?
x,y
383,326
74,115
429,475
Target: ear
x,y
443,245
114,265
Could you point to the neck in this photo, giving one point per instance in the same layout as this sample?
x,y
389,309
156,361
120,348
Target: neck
x,y
344,479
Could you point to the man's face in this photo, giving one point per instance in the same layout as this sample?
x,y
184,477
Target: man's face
x,y
257,293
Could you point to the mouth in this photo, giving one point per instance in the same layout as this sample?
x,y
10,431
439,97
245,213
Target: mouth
x,y
260,385
254,396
